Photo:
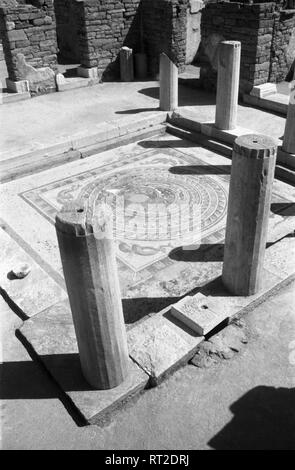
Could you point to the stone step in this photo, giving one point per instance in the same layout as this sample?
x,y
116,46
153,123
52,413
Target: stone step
x,y
197,137
276,102
43,159
285,174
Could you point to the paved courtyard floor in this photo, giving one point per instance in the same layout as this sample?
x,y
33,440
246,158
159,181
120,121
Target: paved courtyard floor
x,y
247,402
51,119
195,408
164,170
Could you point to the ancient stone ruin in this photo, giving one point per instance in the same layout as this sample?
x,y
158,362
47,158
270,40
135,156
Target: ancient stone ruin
x,y
38,35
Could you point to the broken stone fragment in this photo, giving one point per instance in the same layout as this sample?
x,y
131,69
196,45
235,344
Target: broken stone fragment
x,y
223,345
20,271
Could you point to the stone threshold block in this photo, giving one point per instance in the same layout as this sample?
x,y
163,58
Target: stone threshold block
x,y
33,293
261,91
88,72
11,97
51,337
21,86
199,313
227,136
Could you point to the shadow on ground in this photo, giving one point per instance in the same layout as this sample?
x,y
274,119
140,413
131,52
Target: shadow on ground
x,y
264,419
186,96
137,110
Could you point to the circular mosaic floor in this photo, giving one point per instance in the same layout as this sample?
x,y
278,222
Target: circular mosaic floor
x,y
151,204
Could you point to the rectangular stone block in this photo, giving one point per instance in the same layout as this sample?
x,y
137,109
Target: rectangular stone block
x,y
87,72
52,337
16,35
197,312
22,86
261,91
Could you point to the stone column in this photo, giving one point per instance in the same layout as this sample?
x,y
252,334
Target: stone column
x,y
168,84
289,135
126,64
229,58
252,174
91,276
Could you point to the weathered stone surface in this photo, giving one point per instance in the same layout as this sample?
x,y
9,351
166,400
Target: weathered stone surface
x,y
217,293
21,86
267,41
34,292
126,64
223,345
289,134
161,343
261,91
280,257
229,57
168,84
40,79
88,72
91,275
30,30
196,312
253,165
52,337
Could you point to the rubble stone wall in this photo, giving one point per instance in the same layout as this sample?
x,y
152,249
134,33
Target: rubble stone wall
x,y
266,33
165,30
104,26
28,35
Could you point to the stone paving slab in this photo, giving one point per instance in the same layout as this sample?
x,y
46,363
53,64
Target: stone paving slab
x,y
280,257
33,293
51,337
161,344
233,305
158,345
276,102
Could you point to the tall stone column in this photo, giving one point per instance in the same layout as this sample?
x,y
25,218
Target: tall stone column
x,y
91,276
252,174
229,58
168,84
126,64
289,135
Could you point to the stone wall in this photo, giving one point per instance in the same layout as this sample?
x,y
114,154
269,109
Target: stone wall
x,y
29,41
104,26
283,45
152,26
91,32
266,34
165,26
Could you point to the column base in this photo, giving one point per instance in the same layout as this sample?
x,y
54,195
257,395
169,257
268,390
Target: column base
x,y
88,72
21,86
261,91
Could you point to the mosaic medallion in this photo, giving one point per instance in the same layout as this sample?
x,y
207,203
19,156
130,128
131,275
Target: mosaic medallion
x,y
158,201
